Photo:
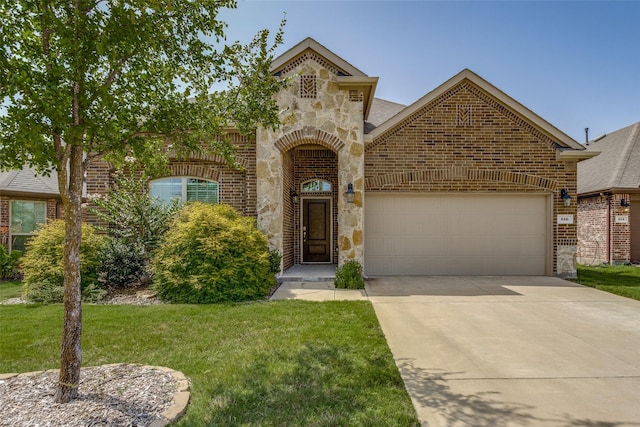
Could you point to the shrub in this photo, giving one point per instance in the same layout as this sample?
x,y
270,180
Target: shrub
x,y
349,276
133,216
274,260
212,254
42,263
122,265
9,263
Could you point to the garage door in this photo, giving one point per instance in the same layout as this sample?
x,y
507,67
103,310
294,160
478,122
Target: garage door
x,y
455,234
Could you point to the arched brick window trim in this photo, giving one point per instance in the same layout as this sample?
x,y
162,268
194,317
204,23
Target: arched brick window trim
x,y
460,173
309,135
195,171
241,161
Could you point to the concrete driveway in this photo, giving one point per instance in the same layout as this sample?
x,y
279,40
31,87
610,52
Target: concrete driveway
x,y
512,351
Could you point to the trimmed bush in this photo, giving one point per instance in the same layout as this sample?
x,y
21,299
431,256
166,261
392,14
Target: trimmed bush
x,y
349,276
42,263
212,254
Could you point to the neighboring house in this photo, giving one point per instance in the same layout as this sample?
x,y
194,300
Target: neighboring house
x,y
26,201
608,188
465,181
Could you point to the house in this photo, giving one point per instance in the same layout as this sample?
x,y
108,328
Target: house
x,y
26,200
608,187
465,181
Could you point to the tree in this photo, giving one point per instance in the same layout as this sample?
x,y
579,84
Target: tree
x,y
92,79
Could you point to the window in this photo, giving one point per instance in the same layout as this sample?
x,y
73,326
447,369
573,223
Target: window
x,y
184,189
25,219
316,186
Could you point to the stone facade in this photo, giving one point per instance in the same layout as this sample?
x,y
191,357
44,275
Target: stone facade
x,y
317,113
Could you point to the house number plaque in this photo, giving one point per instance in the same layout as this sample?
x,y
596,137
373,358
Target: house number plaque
x,y
565,219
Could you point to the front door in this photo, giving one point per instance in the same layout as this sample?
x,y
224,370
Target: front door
x,y
316,230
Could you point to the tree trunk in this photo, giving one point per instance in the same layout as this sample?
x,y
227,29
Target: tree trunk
x,y
71,352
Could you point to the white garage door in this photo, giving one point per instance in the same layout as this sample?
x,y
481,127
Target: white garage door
x,y
420,234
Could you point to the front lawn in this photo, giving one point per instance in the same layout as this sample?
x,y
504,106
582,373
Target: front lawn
x,y
293,363
10,290
618,279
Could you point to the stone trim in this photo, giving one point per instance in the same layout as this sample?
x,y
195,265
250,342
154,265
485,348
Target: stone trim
x,y
460,173
308,135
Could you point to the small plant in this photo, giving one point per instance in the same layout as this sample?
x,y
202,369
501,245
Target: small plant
x,y
212,254
274,261
42,264
349,276
9,263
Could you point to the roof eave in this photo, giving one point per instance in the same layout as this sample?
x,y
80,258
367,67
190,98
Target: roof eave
x,y
575,155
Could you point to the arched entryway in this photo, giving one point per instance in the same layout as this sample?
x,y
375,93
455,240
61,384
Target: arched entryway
x,y
310,201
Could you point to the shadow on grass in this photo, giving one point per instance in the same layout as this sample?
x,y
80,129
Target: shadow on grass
x,y
317,385
431,389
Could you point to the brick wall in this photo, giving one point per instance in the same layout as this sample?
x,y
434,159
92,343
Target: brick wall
x,y
289,211
466,141
237,186
600,237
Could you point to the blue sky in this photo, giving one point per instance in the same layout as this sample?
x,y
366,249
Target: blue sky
x,y
574,63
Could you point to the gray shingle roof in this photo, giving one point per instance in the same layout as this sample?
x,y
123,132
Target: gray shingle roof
x,y
28,181
381,111
617,166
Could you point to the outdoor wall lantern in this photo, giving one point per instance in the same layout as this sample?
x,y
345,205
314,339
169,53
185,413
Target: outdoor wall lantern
x,y
566,198
350,194
294,196
625,204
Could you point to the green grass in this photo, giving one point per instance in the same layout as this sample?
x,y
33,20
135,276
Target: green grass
x,y
10,290
622,280
293,363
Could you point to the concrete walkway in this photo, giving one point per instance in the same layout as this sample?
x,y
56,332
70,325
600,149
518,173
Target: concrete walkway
x,y
316,291
512,351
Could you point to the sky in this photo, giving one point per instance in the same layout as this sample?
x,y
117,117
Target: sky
x,y
576,64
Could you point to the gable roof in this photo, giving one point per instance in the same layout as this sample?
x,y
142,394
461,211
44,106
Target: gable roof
x,y
348,77
28,182
569,148
617,168
343,67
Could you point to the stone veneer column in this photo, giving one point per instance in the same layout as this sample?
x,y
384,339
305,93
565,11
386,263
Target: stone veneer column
x,y
351,215
326,116
269,190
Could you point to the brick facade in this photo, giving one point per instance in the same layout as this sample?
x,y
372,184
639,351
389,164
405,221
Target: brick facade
x,y
465,141
464,137
237,186
604,235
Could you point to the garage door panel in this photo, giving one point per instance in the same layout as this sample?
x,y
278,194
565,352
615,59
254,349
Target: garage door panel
x,y
455,234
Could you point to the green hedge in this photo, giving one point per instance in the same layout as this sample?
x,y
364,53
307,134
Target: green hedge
x,y
212,254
